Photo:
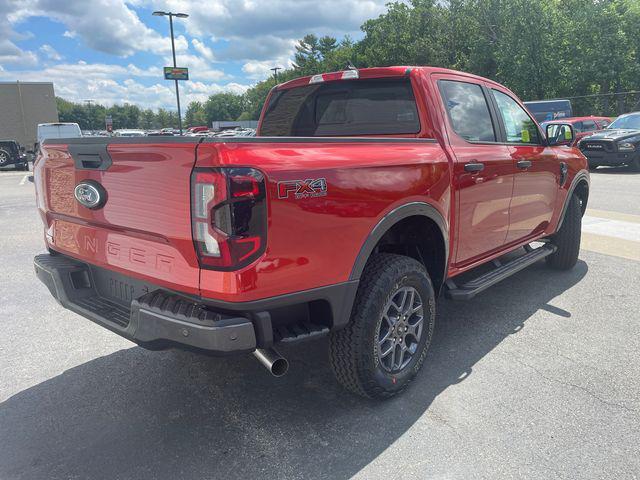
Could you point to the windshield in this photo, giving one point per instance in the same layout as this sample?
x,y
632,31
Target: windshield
x,y
628,122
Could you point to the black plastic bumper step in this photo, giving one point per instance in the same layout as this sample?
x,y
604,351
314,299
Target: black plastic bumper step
x,y
298,331
104,307
473,287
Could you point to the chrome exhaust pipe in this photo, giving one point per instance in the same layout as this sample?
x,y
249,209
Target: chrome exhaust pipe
x,y
272,360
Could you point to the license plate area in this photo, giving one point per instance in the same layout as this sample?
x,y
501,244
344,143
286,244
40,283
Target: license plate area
x,y
119,288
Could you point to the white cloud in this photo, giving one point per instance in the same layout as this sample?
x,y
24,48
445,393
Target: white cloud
x,y
259,70
50,52
203,49
10,53
108,84
267,29
109,26
256,34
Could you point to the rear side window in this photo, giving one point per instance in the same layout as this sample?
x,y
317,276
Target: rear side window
x,y
352,107
468,110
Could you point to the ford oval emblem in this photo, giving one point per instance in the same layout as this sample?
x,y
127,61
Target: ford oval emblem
x,y
90,194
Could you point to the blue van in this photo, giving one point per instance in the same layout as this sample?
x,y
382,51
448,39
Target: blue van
x,y
546,110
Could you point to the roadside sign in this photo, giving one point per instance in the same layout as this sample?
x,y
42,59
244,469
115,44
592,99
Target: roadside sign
x,y
176,73
108,123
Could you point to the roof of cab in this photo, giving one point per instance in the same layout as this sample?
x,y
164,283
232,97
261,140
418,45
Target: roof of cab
x,y
380,72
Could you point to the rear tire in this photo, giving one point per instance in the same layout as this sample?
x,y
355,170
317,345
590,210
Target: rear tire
x,y
392,318
5,157
567,239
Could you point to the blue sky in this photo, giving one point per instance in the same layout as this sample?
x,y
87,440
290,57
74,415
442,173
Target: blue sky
x,y
113,51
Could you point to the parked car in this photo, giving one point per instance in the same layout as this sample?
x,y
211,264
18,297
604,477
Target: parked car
x,y
227,133
618,144
582,126
546,110
13,154
159,133
197,129
365,195
129,133
58,130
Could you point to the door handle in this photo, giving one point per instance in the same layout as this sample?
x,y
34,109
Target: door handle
x,y
473,167
524,164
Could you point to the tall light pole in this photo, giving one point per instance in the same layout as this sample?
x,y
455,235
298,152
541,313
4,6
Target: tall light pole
x,y
89,105
173,51
275,72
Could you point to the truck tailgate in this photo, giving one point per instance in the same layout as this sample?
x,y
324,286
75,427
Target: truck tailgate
x,y
144,227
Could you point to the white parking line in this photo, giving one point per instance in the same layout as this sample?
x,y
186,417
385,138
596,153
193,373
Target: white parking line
x,y
10,173
24,179
611,228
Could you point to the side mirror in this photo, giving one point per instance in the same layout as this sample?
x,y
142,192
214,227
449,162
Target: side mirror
x,y
560,134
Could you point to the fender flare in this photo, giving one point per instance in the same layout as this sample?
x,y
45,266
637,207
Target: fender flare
x,y
582,175
390,219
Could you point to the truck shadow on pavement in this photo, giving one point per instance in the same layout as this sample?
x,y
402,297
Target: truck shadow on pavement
x,y
138,414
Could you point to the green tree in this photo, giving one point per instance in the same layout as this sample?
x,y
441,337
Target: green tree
x,y
223,106
308,54
164,119
195,115
147,119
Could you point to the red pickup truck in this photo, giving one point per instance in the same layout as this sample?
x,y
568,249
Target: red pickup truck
x,y
363,197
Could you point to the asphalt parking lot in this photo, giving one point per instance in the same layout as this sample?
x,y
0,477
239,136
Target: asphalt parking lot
x,y
539,377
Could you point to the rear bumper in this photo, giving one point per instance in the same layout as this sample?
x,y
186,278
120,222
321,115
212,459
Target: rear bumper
x,y
610,158
157,319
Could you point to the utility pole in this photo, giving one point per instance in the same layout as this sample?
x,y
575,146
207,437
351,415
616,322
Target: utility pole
x,y
275,72
173,52
89,104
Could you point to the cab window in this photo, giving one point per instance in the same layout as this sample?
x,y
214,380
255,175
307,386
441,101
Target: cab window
x,y
380,106
468,110
588,126
519,126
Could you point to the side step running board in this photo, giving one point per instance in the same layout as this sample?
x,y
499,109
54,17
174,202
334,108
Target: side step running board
x,y
473,287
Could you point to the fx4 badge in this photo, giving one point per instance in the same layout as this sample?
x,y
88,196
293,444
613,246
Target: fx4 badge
x,y
302,188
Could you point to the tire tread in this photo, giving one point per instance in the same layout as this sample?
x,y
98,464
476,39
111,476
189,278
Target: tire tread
x,y
567,239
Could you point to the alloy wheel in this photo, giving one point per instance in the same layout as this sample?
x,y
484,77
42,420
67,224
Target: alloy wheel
x,y
400,329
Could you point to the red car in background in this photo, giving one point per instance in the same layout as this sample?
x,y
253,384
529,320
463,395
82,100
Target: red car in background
x,y
202,128
582,126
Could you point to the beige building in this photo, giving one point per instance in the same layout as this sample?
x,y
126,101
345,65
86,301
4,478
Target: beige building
x,y
23,105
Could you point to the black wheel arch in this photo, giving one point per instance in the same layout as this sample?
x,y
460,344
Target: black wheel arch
x,y
579,186
393,218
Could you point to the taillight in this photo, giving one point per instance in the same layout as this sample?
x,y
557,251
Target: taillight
x,y
228,216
